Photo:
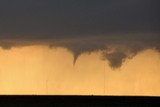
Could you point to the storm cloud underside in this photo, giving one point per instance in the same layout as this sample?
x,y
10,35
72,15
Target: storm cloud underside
x,y
120,29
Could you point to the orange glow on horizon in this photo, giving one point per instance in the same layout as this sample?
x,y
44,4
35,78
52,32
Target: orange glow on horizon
x,y
42,70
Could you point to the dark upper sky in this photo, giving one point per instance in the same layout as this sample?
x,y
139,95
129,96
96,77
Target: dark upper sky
x,y
46,19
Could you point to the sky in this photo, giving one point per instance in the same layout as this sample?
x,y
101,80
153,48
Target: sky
x,y
116,31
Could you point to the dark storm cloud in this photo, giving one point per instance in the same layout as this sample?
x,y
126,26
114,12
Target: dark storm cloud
x,y
116,47
82,26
